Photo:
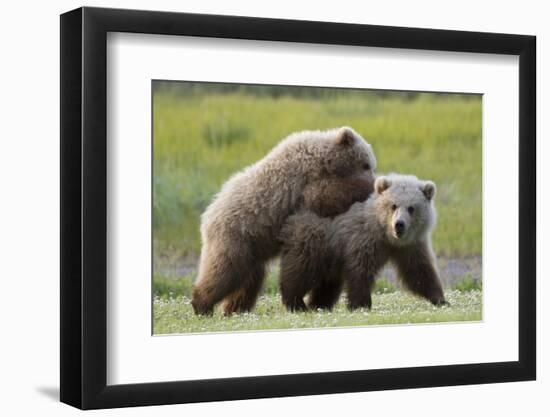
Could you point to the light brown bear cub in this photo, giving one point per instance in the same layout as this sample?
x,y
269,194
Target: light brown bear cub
x,y
324,171
394,224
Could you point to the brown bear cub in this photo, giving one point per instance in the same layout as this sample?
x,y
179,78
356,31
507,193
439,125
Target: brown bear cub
x,y
393,225
323,171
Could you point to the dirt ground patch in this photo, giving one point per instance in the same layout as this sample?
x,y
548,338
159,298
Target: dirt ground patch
x,y
452,270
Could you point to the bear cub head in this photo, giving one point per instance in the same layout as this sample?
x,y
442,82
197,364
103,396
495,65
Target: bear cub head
x,y
404,208
350,155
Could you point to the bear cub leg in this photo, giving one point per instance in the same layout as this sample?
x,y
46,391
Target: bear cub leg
x,y
417,269
219,277
293,293
296,280
244,299
325,295
359,290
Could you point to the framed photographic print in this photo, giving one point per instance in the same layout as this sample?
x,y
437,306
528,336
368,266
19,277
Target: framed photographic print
x,y
256,207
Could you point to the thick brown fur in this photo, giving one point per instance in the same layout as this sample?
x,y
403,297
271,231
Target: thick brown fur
x,y
332,196
324,171
319,255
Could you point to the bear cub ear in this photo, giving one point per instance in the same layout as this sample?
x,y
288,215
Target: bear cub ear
x,y
428,189
382,184
345,137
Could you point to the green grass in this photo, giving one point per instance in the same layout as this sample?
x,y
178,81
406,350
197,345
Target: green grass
x,y
383,286
200,139
164,286
175,314
204,133
468,284
173,287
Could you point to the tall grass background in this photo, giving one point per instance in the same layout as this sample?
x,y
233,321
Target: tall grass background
x,y
203,133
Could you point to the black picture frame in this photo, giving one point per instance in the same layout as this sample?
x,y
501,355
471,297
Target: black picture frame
x,y
84,207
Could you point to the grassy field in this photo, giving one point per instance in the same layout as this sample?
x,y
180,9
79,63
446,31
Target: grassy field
x,y
199,141
175,315
202,135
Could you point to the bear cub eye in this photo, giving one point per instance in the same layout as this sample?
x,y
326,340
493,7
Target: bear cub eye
x,y
366,166
394,207
410,210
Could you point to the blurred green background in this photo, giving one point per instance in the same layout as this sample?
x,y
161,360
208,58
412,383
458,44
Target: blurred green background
x,y
205,132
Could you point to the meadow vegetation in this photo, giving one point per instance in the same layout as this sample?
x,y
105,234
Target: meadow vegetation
x,y
175,315
204,133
